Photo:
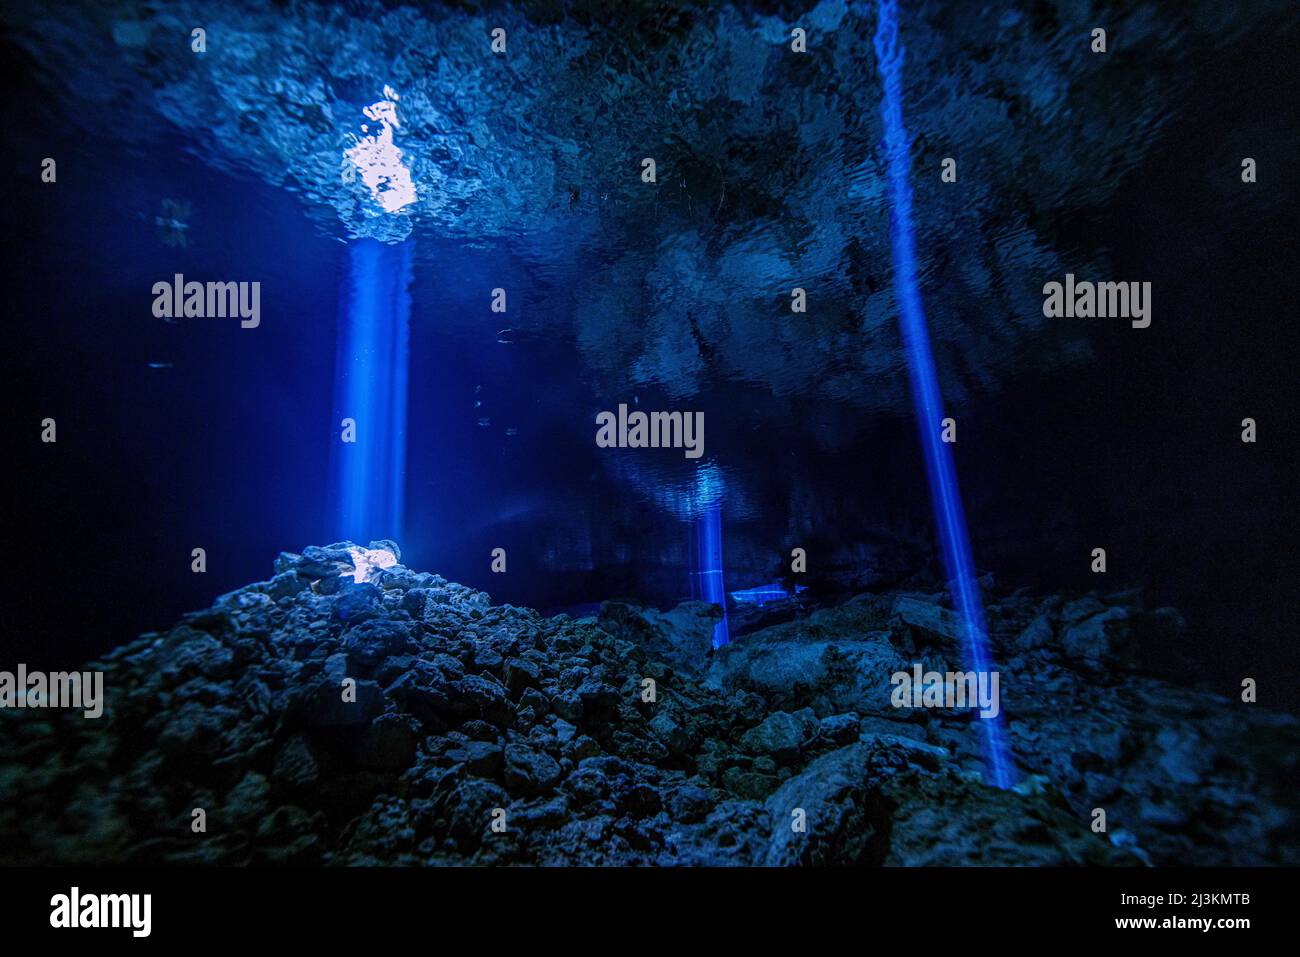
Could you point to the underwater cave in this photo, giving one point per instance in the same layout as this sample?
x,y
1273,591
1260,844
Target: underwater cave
x,y
651,434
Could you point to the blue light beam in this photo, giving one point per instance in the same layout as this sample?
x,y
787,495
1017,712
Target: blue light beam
x,y
708,555
928,402
707,578
370,386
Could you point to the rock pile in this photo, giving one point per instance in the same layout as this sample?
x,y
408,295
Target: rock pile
x,y
404,719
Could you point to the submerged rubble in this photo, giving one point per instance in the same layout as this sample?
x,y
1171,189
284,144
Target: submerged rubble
x,y
404,719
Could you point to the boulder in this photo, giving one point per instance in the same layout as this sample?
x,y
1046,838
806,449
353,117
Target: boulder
x,y
780,736
529,771
682,638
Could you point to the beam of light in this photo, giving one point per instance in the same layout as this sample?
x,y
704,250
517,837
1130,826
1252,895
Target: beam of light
x,y
370,386
708,558
707,582
925,385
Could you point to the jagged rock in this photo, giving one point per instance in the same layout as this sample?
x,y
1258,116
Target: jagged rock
x,y
682,637
749,784
1036,635
782,664
193,730
831,793
1100,641
357,603
568,705
296,765
1182,755
537,702
931,623
323,705
690,803
482,758
484,696
468,808
521,673
389,743
529,771
371,641
247,801
195,653
285,585
463,708
1081,608
780,735
674,736
839,729
387,545
289,836
486,658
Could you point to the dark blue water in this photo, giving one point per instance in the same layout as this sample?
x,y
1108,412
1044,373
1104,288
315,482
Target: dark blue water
x,y
675,296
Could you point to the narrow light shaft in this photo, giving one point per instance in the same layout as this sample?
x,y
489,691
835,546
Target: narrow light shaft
x,y
371,388
939,465
708,557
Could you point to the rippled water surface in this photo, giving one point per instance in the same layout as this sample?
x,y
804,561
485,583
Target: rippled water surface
x,y
307,127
